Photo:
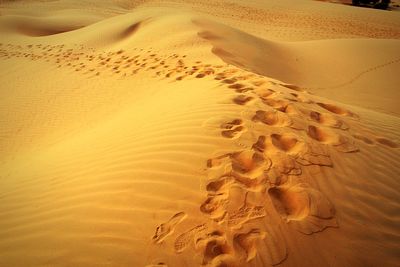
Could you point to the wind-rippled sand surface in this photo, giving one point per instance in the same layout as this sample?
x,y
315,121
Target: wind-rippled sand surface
x,y
199,133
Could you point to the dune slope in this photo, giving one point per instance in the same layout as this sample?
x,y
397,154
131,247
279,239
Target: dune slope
x,y
163,133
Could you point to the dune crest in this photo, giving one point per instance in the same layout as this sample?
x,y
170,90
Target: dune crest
x,y
198,133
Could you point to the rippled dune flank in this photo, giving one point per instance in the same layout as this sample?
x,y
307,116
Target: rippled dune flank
x,y
198,133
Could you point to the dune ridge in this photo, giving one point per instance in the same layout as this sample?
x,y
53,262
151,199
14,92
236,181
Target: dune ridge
x,y
158,133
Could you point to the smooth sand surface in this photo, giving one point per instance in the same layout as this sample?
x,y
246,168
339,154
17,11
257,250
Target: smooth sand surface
x,y
199,133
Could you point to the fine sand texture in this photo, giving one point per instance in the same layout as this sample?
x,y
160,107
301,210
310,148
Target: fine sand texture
x,y
149,133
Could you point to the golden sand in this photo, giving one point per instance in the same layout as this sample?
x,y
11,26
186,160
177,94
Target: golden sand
x,y
199,133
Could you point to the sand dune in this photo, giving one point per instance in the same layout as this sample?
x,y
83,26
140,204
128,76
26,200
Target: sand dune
x,y
347,61
190,133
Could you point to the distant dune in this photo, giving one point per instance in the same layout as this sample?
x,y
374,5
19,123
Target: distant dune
x,y
199,133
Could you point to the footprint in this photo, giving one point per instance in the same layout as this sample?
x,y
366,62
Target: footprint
x,y
214,246
237,219
158,264
284,142
249,163
232,124
182,242
180,78
264,93
363,138
169,74
242,99
245,213
278,104
220,76
243,77
314,154
345,145
321,135
335,109
167,228
244,89
340,142
293,87
217,161
256,184
276,177
223,184
214,206
299,98
215,249
232,129
247,242
236,86
328,120
219,184
258,82
386,142
208,70
229,81
259,145
272,118
291,203
285,164
234,133
303,207
185,239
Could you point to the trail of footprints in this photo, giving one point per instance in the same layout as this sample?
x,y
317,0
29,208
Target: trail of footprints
x,y
251,190
121,63
167,228
249,87
232,128
271,177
